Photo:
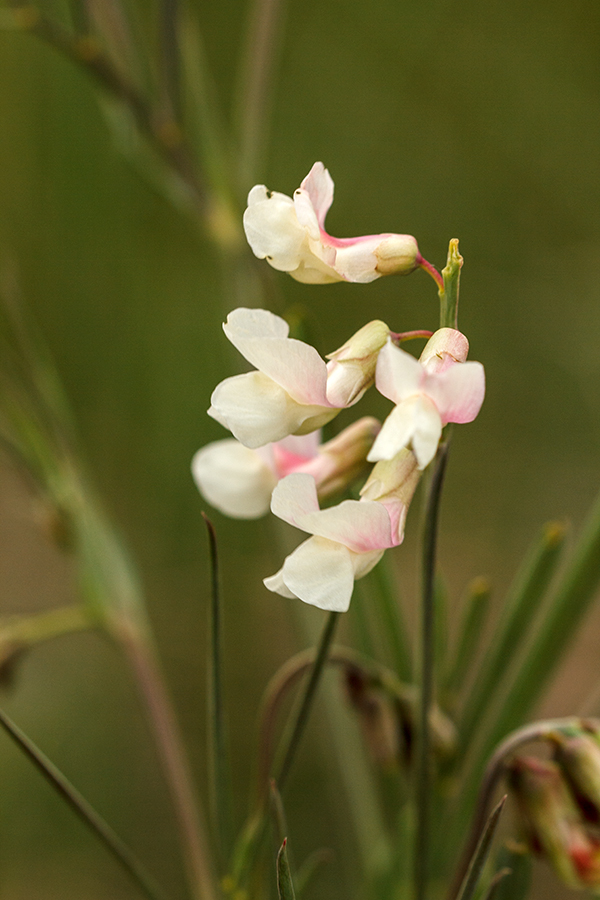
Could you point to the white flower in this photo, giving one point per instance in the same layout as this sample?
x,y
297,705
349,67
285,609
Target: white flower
x,y
239,482
348,541
290,235
294,391
439,388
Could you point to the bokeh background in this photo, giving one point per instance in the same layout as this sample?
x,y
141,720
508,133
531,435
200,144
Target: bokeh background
x,y
470,120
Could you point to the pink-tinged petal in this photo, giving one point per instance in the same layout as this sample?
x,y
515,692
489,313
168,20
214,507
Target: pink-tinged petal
x,y
357,262
361,525
321,573
458,392
234,479
305,446
294,365
306,215
294,498
272,228
445,346
398,374
258,411
318,184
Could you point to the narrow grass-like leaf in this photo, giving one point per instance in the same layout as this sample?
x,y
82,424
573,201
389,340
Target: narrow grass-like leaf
x,y
575,591
218,756
391,619
285,887
515,858
523,601
79,804
475,610
479,858
278,811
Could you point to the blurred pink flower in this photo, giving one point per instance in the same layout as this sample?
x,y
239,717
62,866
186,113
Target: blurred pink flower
x,y
290,234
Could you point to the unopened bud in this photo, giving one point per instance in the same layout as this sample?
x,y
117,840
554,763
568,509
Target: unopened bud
x,y
445,346
397,255
393,483
352,367
578,755
556,828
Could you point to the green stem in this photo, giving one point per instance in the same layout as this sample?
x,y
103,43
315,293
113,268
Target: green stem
x,y
423,787
221,803
87,813
175,765
476,609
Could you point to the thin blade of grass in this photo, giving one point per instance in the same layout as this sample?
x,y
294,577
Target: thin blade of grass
x,y
285,886
476,607
524,598
479,858
217,751
113,843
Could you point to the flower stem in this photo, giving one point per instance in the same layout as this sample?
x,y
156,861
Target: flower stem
x,y
422,780
448,291
144,663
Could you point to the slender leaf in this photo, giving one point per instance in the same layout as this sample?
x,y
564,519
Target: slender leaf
x,y
119,850
285,887
523,601
479,858
476,608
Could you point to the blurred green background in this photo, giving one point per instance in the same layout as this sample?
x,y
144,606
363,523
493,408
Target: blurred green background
x,y
470,120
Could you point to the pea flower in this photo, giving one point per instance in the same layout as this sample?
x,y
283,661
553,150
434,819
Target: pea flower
x,y
438,388
289,394
347,540
290,234
239,481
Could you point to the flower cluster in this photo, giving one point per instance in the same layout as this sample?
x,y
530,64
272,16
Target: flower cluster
x,y
276,411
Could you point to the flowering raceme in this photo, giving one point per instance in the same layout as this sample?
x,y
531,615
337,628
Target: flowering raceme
x,y
290,392
239,481
290,234
429,393
347,540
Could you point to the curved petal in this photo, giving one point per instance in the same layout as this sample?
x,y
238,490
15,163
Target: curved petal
x,y
398,374
428,430
318,184
364,562
396,432
234,479
321,573
276,584
445,346
361,525
358,262
272,228
458,392
305,213
294,497
258,411
294,365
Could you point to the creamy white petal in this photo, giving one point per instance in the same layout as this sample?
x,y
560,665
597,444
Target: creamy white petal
x,y
458,392
321,573
261,338
416,421
319,186
398,374
234,479
258,411
273,230
276,584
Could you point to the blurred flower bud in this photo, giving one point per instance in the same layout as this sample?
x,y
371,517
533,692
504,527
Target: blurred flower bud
x,y
578,755
379,720
393,483
352,367
342,459
554,823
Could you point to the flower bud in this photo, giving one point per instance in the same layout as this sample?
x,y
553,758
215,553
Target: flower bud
x,y
341,459
397,255
352,367
393,483
556,828
578,755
